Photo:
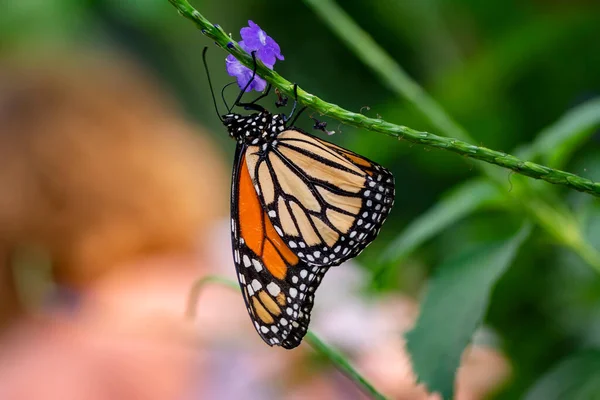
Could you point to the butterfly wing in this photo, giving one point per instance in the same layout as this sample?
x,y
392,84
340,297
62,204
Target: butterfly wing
x,y
326,203
277,286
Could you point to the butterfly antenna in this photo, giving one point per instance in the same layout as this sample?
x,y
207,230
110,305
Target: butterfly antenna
x,y
239,98
223,94
212,92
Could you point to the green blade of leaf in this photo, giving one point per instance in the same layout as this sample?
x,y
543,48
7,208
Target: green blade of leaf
x,y
577,377
453,308
558,141
454,205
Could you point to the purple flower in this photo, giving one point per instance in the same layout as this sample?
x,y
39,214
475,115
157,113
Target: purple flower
x,y
267,50
244,74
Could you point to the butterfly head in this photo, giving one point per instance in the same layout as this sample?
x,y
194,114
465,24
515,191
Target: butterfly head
x,y
262,126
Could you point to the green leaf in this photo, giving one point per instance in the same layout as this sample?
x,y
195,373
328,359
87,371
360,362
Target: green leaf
x,y
558,141
453,308
456,204
577,377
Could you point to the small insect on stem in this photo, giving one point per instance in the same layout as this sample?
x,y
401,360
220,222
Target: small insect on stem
x,y
321,126
282,100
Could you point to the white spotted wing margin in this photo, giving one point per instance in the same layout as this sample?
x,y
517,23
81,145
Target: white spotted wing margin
x,y
326,202
284,304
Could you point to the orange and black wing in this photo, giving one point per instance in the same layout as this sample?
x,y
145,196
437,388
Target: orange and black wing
x,y
326,203
278,286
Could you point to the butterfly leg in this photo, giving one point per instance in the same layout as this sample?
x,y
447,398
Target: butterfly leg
x,y
223,94
238,100
295,101
281,99
251,105
263,95
294,108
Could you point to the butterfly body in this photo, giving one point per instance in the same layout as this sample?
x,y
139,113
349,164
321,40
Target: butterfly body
x,y
300,205
254,129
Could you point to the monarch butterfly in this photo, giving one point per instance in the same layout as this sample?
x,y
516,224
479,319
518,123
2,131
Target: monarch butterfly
x,y
299,205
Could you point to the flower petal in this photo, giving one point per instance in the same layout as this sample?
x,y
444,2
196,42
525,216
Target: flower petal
x,y
274,48
243,75
252,36
266,57
245,47
259,84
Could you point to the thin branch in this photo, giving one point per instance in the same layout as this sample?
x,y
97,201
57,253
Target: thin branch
x,y
192,300
342,363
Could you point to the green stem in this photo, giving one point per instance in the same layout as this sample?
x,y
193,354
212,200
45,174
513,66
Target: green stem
x,y
196,289
340,361
315,342
461,147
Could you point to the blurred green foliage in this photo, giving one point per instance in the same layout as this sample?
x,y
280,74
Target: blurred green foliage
x,y
515,74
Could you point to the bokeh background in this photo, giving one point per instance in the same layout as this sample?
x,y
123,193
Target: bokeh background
x,y
114,179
